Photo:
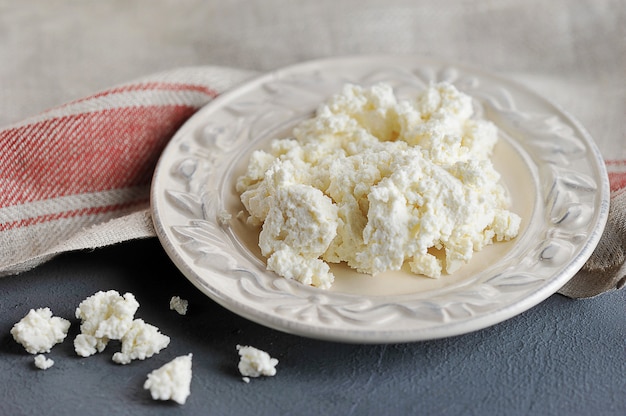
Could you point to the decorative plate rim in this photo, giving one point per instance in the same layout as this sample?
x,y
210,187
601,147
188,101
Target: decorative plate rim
x,y
188,226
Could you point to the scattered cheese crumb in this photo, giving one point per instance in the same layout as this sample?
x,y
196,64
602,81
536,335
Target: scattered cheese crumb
x,y
104,316
246,379
378,183
42,362
171,381
39,331
254,362
179,305
141,341
109,316
224,217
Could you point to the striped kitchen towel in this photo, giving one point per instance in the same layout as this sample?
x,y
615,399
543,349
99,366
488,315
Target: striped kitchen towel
x,y
78,176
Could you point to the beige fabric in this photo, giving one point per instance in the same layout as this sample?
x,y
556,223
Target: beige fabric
x,y
129,227
573,51
606,269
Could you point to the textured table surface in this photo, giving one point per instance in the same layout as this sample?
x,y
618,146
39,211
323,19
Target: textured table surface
x,y
560,357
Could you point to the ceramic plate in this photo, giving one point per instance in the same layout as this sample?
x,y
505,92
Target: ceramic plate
x,y
550,165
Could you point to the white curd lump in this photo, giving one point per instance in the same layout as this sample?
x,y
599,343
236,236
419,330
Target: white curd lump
x,y
378,182
255,363
39,331
109,316
141,341
179,305
42,362
104,316
171,381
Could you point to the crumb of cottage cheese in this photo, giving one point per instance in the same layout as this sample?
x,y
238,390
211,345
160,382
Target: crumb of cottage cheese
x,y
377,182
172,381
42,362
141,341
254,363
109,316
224,217
179,305
104,316
39,331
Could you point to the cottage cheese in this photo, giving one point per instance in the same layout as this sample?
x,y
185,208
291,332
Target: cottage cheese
x,y
42,362
110,316
179,305
378,183
39,331
141,341
171,381
104,316
254,363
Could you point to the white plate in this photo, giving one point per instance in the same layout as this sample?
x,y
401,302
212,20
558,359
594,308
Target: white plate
x,y
551,166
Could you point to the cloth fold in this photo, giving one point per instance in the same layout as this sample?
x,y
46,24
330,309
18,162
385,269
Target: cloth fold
x,y
78,176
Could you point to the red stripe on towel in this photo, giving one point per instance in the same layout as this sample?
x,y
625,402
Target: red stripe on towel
x,y
87,152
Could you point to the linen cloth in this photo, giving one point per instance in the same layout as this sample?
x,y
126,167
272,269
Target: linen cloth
x,y
55,196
